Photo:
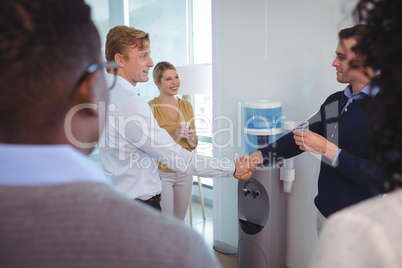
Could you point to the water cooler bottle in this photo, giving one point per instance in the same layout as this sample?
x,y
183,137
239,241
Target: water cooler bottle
x,y
262,124
262,202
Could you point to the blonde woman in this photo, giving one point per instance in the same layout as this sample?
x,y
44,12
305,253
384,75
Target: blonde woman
x,y
176,116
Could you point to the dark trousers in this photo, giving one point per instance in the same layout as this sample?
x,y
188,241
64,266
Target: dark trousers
x,y
154,201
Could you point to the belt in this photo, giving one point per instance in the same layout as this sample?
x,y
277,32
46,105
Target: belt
x,y
155,198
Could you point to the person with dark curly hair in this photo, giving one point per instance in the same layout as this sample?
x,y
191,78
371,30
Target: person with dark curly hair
x,y
369,234
57,208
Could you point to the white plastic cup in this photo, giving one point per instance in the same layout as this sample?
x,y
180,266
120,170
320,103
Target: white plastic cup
x,y
287,186
302,126
185,124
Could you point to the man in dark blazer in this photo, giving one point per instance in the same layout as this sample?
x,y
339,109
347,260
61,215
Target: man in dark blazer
x,y
340,132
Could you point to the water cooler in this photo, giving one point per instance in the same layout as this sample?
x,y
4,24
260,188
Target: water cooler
x,y
262,202
262,124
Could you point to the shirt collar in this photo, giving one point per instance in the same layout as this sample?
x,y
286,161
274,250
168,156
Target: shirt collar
x,y
122,82
368,90
46,165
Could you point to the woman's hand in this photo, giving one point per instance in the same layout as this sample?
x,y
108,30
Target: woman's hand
x,y
191,140
180,132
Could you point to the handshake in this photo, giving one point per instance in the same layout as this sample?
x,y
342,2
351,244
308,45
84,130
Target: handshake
x,y
246,164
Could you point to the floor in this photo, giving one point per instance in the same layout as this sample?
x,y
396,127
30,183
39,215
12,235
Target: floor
x,y
205,228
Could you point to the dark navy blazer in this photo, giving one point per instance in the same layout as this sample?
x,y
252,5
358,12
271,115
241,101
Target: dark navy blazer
x,y
352,179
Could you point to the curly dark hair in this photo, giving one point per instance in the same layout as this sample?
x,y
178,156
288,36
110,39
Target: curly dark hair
x,y
384,53
45,47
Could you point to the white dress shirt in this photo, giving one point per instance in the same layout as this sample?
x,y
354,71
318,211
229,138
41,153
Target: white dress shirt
x,y
368,234
132,142
46,165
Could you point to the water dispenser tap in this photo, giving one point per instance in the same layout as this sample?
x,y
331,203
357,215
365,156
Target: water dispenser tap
x,y
246,192
256,194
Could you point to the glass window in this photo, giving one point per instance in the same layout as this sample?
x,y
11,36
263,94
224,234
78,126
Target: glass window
x,y
202,42
100,16
166,23
202,31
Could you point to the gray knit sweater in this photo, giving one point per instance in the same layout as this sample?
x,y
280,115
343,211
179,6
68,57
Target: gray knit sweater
x,y
90,225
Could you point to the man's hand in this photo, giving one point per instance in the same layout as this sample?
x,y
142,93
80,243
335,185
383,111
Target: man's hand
x,y
315,143
249,162
244,168
256,159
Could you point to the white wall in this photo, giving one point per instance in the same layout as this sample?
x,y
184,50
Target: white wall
x,y
279,50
